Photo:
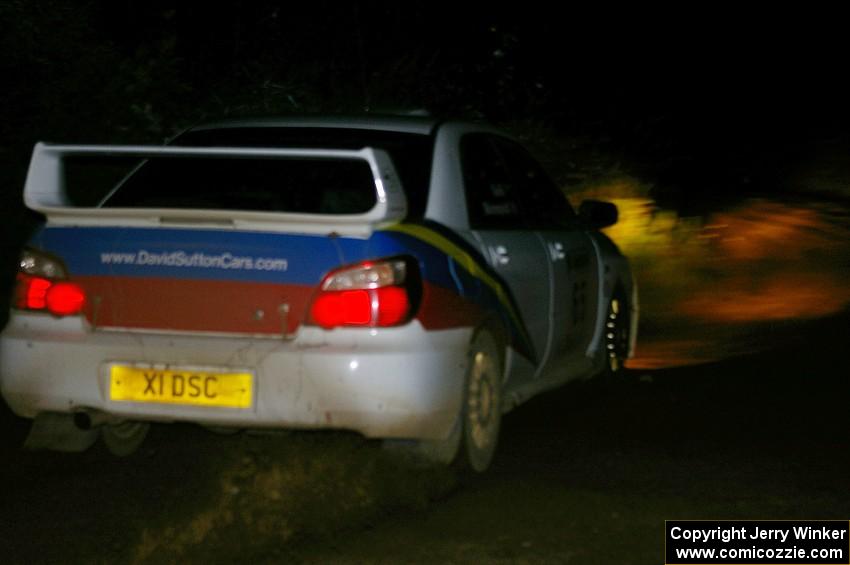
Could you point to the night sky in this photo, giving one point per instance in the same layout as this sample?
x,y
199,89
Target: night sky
x,y
719,100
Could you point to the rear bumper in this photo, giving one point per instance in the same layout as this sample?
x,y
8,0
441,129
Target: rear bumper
x,y
401,382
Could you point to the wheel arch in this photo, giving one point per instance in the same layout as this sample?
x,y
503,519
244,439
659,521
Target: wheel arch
x,y
616,278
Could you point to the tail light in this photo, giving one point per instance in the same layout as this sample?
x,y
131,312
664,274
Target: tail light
x,y
42,286
370,294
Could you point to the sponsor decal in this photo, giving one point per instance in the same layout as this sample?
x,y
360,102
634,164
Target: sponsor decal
x,y
186,259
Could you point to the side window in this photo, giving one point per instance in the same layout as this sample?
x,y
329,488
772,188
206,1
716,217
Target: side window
x,y
543,204
491,193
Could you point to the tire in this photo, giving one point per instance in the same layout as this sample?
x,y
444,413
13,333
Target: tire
x,y
125,438
482,407
616,342
471,444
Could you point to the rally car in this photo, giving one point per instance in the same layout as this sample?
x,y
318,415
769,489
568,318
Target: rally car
x,y
405,278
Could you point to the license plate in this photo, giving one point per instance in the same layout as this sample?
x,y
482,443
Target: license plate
x,y
181,386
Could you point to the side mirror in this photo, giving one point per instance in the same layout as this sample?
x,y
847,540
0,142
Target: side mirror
x,y
596,214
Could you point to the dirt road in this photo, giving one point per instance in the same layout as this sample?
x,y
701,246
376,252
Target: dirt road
x,y
590,474
585,475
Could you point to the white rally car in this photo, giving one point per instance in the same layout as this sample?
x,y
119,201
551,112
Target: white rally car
x,y
404,278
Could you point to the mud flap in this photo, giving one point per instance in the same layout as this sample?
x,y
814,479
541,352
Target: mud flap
x,y
58,432
441,452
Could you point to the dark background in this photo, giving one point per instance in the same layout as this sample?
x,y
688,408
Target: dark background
x,y
723,92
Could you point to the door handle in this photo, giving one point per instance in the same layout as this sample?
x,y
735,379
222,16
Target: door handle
x,y
556,251
499,255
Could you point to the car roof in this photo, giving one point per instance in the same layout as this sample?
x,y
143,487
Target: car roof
x,y
402,124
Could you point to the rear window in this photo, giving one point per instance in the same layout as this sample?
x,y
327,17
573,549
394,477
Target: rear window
x,y
309,186
327,187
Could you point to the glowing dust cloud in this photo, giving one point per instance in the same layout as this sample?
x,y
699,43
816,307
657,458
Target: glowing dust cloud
x,y
705,279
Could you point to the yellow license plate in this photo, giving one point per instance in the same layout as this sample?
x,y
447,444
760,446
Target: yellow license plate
x,y
181,386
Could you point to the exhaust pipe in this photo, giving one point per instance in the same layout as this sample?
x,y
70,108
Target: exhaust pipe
x,y
91,419
59,432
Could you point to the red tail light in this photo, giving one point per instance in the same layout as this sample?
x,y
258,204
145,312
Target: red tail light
x,y
32,292
370,294
345,308
65,299
394,305
37,292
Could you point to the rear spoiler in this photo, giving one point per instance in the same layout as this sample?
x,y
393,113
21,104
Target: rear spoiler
x,y
45,192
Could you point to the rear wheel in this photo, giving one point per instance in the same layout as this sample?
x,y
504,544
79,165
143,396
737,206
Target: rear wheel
x,y
472,441
482,410
125,438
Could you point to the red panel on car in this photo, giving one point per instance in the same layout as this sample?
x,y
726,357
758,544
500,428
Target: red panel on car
x,y
193,305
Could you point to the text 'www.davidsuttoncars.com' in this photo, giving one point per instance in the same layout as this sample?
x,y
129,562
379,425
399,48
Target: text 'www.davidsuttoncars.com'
x,y
758,542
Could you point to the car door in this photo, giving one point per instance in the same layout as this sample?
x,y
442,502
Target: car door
x,y
516,253
570,254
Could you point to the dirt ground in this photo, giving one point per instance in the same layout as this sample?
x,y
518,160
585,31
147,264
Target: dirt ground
x,y
589,474
585,475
